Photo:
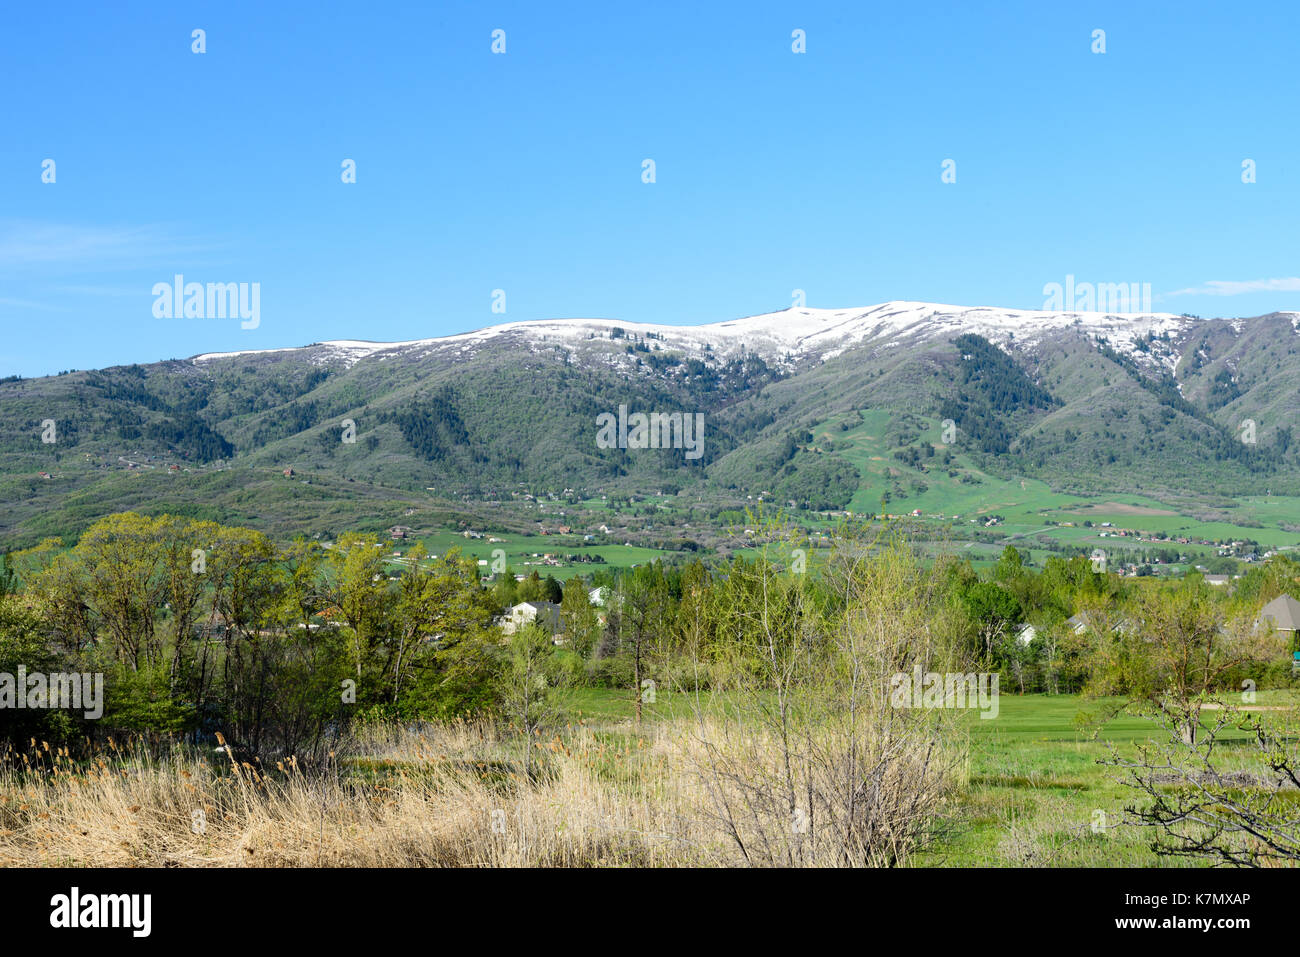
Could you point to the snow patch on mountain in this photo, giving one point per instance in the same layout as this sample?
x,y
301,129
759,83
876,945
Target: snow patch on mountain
x,y
785,336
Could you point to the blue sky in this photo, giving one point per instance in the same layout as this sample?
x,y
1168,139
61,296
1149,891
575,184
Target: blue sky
x,y
775,171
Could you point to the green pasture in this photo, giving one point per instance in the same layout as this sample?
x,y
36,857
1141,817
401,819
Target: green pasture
x,y
1036,792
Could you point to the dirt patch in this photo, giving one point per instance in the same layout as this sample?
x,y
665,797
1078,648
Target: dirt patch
x,y
1215,706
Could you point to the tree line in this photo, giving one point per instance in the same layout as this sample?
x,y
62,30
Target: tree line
x,y
202,628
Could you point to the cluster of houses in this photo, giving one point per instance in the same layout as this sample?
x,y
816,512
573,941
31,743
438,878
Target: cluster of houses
x,y
1282,614
1238,548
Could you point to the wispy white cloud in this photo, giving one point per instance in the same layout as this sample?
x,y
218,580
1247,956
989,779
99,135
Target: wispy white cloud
x,y
77,246
27,304
1238,287
122,292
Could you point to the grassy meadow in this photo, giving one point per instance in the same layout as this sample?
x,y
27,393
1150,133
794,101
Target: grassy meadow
x,y
607,794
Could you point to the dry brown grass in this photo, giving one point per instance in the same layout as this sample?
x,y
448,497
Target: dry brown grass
x,y
396,799
446,795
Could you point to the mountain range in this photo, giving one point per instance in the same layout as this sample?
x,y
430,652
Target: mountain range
x,y
795,403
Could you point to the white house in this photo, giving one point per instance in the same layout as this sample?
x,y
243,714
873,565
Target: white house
x,y
544,613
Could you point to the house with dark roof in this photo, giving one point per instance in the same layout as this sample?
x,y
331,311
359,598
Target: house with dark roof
x,y
1083,622
1283,613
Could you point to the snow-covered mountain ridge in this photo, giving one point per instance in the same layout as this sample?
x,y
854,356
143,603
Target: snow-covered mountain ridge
x,y
790,334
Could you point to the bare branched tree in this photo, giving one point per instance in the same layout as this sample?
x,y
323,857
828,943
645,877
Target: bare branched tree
x,y
806,761
1199,806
